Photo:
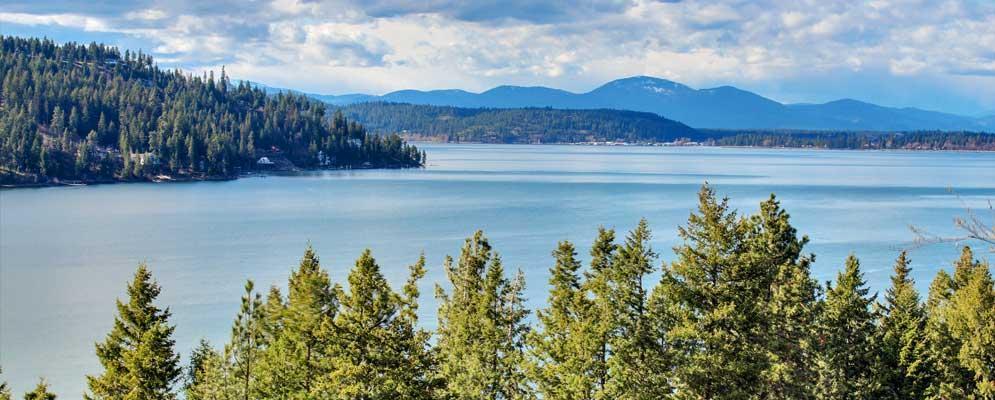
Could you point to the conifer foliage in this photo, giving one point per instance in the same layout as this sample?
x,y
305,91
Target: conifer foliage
x,y
137,356
89,112
735,315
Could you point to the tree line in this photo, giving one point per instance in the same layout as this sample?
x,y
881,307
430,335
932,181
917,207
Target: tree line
x,y
517,125
88,112
736,315
915,140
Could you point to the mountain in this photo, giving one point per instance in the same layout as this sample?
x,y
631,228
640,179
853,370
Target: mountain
x,y
723,107
516,125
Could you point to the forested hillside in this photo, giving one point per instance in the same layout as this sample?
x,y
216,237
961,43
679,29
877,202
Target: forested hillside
x,y
517,125
915,140
89,112
735,315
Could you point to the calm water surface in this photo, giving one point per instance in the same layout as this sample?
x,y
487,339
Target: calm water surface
x,y
66,253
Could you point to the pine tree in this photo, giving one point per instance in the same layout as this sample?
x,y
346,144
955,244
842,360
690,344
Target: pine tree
x,y
971,317
900,332
598,283
298,356
138,357
791,303
946,377
481,327
639,359
379,353
206,375
247,342
846,328
565,348
40,393
711,295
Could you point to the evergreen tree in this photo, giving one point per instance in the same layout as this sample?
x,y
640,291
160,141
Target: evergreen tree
x,y
379,353
791,303
247,342
846,328
138,357
639,363
598,284
947,378
712,295
40,393
565,347
481,327
298,357
971,317
206,375
900,332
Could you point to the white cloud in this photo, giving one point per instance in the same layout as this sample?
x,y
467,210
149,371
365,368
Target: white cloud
x,y
344,45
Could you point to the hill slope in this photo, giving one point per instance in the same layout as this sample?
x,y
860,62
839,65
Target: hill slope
x,y
88,112
723,107
519,125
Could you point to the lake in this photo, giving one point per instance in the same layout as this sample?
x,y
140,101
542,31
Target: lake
x,y
67,252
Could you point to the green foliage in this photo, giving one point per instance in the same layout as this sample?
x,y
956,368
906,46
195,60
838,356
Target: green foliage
x,y
297,357
40,393
915,140
206,375
900,334
714,295
565,348
481,327
790,306
247,343
517,125
846,327
137,355
75,111
378,353
735,316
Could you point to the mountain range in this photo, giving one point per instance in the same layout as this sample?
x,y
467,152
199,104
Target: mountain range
x,y
723,107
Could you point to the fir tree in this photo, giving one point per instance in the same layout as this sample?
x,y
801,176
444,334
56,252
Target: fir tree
x,y
379,353
206,375
900,332
971,317
846,328
598,283
947,378
639,363
481,327
40,393
711,294
565,347
138,357
298,356
790,304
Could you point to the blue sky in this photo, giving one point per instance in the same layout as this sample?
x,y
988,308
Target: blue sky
x,y
936,55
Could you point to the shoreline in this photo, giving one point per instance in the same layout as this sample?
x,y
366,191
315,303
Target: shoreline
x,y
171,180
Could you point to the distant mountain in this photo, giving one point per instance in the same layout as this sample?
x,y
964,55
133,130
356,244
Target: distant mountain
x,y
723,107
516,125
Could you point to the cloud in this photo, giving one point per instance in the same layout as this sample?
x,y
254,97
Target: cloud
x,y
382,45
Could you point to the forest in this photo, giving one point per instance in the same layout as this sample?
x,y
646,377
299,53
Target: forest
x,y
517,125
75,112
547,125
916,140
736,315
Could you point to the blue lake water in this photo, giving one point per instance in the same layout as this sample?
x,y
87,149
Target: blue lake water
x,y
66,253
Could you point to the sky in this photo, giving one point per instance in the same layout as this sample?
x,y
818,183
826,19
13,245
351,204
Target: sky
x,y
937,55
